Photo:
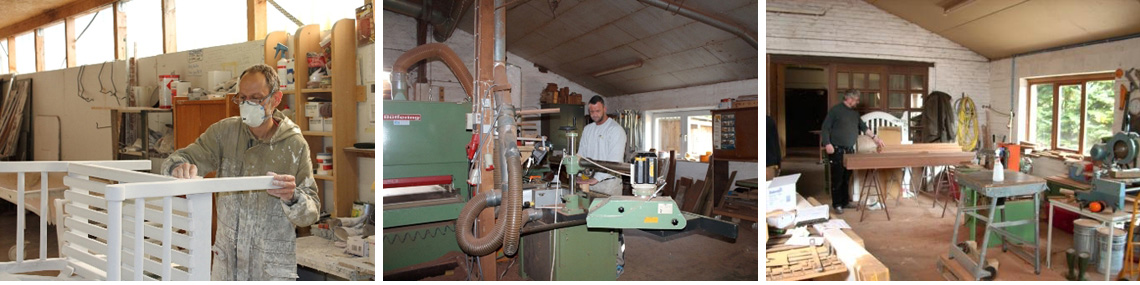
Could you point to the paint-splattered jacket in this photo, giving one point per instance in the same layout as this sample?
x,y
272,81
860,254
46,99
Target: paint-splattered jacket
x,y
255,239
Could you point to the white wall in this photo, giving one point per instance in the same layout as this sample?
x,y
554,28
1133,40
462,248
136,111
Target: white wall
x,y
55,93
1105,57
856,29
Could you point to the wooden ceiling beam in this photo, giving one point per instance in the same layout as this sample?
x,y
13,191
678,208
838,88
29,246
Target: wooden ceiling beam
x,y
69,33
52,15
39,35
120,31
11,53
256,19
169,38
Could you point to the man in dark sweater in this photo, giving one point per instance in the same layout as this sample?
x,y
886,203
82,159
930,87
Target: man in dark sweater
x,y
840,129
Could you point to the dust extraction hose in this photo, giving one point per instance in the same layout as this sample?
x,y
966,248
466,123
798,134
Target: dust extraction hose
x,y
486,244
514,180
511,218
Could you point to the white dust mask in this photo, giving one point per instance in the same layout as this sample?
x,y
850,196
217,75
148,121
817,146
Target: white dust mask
x,y
252,114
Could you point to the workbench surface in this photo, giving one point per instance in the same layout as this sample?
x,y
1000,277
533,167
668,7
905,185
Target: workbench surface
x,y
320,254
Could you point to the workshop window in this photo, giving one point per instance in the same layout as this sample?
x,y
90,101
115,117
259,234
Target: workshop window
x,y
1070,113
209,23
686,132
55,54
95,37
144,27
4,59
323,13
26,53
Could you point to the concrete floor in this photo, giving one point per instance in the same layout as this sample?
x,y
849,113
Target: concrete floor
x,y
32,234
910,243
690,257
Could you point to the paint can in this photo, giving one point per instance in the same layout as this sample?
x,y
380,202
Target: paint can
x,y
1103,242
1083,233
324,163
168,83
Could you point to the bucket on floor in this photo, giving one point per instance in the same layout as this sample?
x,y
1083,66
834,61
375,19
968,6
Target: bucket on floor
x,y
1083,234
1117,243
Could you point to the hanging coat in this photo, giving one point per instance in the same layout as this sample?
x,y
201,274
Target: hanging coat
x,y
937,118
255,239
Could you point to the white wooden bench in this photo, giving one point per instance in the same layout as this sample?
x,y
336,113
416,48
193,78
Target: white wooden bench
x,y
109,197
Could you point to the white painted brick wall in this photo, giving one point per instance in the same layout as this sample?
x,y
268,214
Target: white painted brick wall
x,y
1104,57
854,28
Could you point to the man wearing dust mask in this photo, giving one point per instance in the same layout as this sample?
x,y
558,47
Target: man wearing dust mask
x,y
255,238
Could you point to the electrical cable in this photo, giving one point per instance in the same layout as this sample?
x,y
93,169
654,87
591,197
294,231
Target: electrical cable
x,y
968,131
114,92
79,85
287,15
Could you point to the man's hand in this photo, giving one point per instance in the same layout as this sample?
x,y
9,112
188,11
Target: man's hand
x,y
830,149
590,181
879,143
185,171
287,185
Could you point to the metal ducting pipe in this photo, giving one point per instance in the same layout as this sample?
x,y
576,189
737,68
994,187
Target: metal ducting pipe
x,y
432,50
443,24
707,18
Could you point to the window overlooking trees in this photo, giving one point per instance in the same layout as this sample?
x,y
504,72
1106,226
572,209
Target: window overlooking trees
x,y
1080,108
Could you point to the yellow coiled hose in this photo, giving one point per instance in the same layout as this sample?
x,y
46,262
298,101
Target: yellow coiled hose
x,y
967,134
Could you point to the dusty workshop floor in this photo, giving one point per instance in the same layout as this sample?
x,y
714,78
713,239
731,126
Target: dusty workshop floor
x,y
910,243
32,224
690,257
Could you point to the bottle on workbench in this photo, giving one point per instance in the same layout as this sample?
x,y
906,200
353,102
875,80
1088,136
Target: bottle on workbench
x,y
999,171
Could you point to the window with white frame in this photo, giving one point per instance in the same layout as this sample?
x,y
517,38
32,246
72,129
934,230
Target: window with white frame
x,y
689,132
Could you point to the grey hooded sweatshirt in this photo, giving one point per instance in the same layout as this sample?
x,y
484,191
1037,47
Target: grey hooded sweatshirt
x,y
255,238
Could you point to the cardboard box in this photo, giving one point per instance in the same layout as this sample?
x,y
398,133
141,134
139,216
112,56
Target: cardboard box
x,y
356,246
575,98
316,124
742,104
782,193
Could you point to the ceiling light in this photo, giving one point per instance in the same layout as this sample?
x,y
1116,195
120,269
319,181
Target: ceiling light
x,y
621,68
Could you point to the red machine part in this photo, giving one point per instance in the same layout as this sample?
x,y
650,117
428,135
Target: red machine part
x,y
417,181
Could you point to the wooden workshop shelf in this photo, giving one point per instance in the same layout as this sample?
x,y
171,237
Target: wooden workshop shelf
x,y
361,152
344,95
316,90
317,134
